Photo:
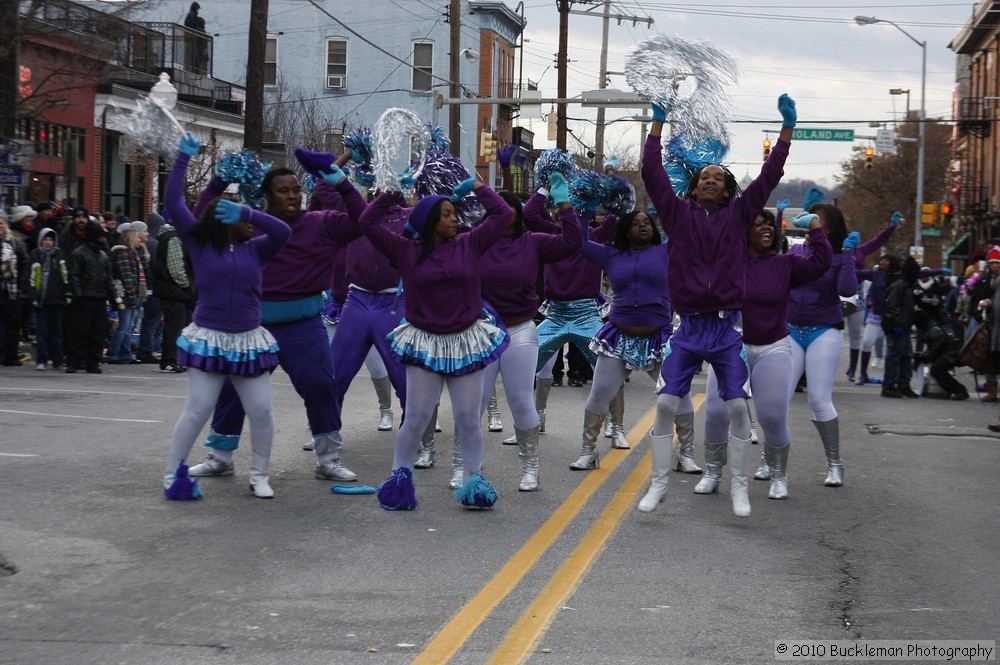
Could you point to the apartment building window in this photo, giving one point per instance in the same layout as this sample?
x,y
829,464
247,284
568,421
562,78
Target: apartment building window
x,y
271,61
333,141
336,64
423,65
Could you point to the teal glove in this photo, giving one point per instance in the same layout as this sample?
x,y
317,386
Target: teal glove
x,y
786,106
896,218
612,163
659,113
651,210
406,180
333,176
782,204
189,145
945,271
462,189
558,188
852,240
803,220
228,212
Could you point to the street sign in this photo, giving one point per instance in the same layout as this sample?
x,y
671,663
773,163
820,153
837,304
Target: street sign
x,y
820,134
11,176
885,140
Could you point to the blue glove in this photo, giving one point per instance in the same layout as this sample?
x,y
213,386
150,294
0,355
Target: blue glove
x,y
612,163
786,106
803,221
462,189
228,212
896,218
505,154
945,271
852,240
782,204
333,176
406,181
659,114
813,196
558,188
189,145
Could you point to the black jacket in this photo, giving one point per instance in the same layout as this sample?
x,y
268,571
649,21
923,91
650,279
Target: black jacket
x,y
164,285
897,307
90,272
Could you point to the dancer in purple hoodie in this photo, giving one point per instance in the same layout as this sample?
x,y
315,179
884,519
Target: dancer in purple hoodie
x,y
707,294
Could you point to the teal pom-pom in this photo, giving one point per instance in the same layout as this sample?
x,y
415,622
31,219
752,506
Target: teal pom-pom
x,y
246,169
555,160
183,488
398,492
477,492
620,195
352,489
683,157
588,187
439,138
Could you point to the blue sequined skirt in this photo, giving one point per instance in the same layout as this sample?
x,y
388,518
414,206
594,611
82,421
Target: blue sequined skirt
x,y
638,353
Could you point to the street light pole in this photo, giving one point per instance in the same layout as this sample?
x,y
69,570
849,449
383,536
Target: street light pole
x,y
918,218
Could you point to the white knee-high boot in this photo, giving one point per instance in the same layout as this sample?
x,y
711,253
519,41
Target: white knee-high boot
x,y
542,389
425,456
739,467
662,448
383,390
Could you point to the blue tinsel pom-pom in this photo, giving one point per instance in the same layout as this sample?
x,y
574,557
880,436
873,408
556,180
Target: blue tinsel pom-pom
x,y
439,139
183,488
246,169
682,158
361,145
555,160
477,492
398,492
620,195
587,188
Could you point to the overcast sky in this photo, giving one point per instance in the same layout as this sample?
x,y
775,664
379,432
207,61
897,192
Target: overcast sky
x,y
835,69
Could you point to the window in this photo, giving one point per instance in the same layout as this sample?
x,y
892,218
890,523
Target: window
x,y
423,65
333,141
271,61
336,64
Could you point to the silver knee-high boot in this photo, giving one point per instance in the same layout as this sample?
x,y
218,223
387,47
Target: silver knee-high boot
x,y
684,452
739,469
617,410
715,460
425,456
527,443
260,481
662,449
542,388
589,457
457,464
383,390
493,413
763,471
829,434
777,461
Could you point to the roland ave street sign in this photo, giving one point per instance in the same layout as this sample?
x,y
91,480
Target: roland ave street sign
x,y
822,134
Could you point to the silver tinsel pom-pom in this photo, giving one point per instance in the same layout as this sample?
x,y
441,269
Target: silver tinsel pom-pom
x,y
657,67
150,128
587,188
400,138
441,174
554,160
360,144
620,197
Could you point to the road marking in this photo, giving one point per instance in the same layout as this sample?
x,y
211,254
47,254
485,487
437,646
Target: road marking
x,y
87,392
525,633
15,455
453,635
60,415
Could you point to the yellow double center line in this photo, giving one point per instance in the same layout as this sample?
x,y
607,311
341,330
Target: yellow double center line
x,y
523,635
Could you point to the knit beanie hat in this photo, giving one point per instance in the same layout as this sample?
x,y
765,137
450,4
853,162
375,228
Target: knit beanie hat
x,y
418,216
993,254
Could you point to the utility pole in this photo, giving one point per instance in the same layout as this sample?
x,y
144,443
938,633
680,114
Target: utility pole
x,y
602,82
10,42
253,122
455,112
561,62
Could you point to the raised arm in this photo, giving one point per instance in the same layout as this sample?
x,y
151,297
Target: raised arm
x,y
180,216
553,247
388,242
867,248
496,221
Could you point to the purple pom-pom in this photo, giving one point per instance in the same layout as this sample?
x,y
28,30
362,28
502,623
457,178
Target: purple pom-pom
x,y
442,172
398,493
314,162
183,488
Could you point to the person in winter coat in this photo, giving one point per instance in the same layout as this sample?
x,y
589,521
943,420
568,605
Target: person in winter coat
x,y
49,292
173,284
897,319
128,270
13,283
90,281
940,353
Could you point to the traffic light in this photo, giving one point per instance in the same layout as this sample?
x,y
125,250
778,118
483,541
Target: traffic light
x,y
767,149
869,156
488,147
929,214
946,210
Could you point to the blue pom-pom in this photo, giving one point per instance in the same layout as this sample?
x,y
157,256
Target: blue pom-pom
x,y
361,145
439,138
477,492
442,172
246,169
620,196
183,488
555,160
398,492
683,157
586,189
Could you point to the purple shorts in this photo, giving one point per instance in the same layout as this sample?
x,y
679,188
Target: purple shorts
x,y
714,338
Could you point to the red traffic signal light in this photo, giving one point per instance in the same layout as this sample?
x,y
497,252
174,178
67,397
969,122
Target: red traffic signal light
x,y
869,156
945,208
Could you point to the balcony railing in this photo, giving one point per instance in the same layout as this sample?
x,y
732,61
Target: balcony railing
x,y
185,49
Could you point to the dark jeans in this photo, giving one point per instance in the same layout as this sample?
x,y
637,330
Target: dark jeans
x,y
579,368
898,360
88,328
151,327
49,342
10,328
176,315
939,370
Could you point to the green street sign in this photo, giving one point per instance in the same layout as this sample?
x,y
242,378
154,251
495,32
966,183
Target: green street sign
x,y
818,134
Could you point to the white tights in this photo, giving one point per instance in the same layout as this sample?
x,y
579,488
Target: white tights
x,y
820,362
517,367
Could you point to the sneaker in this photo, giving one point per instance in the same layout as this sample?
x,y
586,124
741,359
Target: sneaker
x,y
40,367
308,446
334,470
957,397
172,368
891,392
212,466
906,391
148,359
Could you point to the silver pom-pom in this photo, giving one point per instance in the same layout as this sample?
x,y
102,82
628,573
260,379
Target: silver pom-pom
x,y
400,139
657,67
620,197
554,160
150,128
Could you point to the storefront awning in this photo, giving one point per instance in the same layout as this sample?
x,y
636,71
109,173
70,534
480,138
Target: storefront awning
x,y
960,250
